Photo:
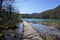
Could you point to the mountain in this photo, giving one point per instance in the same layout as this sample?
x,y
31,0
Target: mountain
x,y
52,13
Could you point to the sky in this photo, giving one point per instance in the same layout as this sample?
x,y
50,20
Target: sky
x,y
35,6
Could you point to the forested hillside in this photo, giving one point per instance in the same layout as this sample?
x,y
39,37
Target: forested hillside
x,y
52,13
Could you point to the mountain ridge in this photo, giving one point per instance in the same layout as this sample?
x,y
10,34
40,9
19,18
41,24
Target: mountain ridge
x,y
51,13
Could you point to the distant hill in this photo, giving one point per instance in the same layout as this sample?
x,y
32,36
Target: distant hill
x,y
52,13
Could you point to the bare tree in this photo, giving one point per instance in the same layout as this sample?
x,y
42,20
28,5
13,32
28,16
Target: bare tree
x,y
1,1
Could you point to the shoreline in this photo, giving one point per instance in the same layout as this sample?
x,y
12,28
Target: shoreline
x,y
9,32
53,25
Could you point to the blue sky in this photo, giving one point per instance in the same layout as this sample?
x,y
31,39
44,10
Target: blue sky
x,y
32,6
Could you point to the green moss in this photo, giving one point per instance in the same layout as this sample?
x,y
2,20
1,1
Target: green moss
x,y
1,34
50,38
52,24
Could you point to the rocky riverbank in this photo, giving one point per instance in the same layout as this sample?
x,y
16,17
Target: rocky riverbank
x,y
6,34
9,31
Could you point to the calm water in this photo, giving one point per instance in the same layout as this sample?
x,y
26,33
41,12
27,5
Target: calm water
x,y
42,20
43,28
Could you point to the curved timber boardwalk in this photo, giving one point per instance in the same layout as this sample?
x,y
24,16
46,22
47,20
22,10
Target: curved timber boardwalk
x,y
30,33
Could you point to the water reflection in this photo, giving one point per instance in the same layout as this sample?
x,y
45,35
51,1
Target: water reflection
x,y
45,29
13,34
20,25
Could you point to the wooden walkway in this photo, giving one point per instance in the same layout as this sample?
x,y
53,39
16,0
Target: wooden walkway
x,y
30,33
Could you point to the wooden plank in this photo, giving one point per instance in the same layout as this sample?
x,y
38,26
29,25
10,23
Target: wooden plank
x,y
30,33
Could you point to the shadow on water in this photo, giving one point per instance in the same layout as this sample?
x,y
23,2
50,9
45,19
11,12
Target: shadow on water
x,y
13,34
